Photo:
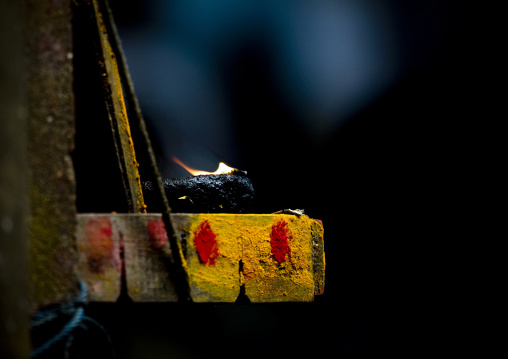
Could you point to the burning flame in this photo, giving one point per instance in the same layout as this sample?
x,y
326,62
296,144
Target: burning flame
x,y
222,170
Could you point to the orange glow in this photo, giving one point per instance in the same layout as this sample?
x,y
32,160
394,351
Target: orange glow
x,y
222,170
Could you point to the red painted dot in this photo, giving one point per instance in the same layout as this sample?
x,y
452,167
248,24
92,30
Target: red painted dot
x,y
100,251
279,241
157,233
206,243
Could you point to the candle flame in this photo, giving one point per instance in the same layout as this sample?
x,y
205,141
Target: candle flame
x,y
223,169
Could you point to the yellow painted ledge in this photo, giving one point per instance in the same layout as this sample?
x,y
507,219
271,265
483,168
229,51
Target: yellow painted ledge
x,y
266,257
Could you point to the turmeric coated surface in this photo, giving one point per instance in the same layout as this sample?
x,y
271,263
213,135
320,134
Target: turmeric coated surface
x,y
270,255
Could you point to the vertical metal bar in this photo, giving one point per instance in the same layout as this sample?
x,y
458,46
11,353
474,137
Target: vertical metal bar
x,y
118,115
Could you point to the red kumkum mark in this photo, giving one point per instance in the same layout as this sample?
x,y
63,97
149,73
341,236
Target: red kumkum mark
x,y
279,241
206,243
157,233
100,251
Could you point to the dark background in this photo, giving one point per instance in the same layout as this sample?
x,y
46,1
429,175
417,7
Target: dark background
x,y
389,151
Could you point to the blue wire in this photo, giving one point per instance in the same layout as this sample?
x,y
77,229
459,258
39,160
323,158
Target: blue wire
x,y
66,331
73,308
